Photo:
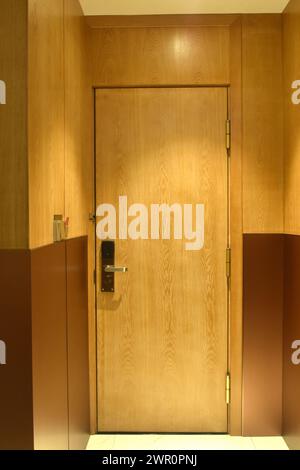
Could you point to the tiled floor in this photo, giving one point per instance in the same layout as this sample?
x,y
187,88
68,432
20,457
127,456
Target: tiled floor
x,y
184,442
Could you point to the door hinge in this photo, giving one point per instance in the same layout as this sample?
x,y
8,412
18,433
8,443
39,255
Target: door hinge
x,y
228,263
94,276
228,388
228,136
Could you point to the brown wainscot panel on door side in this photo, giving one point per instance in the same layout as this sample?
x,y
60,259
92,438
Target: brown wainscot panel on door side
x,y
262,348
291,371
16,430
49,347
78,363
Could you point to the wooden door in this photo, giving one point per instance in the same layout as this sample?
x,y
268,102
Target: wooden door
x,y
162,335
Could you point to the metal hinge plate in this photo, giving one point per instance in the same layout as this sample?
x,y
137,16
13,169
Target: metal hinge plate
x,y
228,388
228,136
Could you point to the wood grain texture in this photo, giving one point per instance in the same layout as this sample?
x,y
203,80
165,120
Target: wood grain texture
x,y
13,126
291,44
78,122
60,119
236,229
160,56
124,70
162,337
262,124
46,138
158,21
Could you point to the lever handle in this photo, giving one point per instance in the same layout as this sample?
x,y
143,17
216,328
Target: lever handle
x,y
115,269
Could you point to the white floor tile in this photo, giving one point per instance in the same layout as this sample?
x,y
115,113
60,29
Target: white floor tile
x,y
269,443
184,442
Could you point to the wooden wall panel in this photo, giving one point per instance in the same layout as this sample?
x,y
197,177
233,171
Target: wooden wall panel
x,y
262,124
236,228
60,119
291,372
49,347
291,48
78,122
78,347
46,139
13,126
262,345
159,56
16,424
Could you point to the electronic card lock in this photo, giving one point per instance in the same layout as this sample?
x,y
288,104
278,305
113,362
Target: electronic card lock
x,y
109,269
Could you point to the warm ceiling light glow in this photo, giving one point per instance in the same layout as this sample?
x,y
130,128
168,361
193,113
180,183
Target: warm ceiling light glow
x,y
180,45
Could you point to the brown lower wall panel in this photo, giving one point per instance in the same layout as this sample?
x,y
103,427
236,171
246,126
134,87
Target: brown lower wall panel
x,y
60,345
291,372
44,385
78,348
49,347
262,342
16,427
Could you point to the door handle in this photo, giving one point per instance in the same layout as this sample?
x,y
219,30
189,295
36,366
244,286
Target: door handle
x,y
115,269
108,268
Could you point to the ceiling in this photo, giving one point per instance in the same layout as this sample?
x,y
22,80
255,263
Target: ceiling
x,y
163,7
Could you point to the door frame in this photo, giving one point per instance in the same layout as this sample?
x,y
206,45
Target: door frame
x,y
235,326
